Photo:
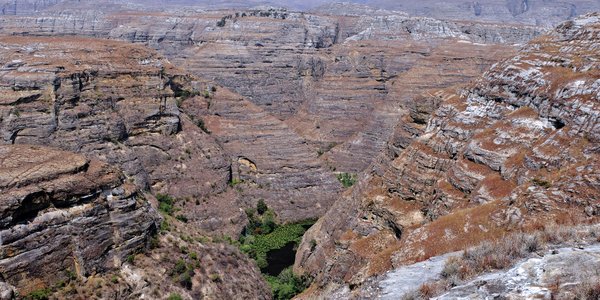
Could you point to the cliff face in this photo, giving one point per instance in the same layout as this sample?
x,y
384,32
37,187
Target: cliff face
x,y
68,215
61,213
113,102
75,226
293,70
338,82
516,150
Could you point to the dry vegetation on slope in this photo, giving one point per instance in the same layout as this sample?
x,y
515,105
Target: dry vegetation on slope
x,y
517,149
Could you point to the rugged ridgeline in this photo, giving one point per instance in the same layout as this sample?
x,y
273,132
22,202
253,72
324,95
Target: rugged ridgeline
x,y
119,103
113,102
516,150
297,68
294,70
533,12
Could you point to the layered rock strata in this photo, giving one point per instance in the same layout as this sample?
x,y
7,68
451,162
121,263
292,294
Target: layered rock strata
x,y
63,214
516,150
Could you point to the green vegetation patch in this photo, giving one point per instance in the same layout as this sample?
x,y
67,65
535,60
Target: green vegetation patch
x,y
175,296
41,294
263,235
286,285
165,203
258,246
347,179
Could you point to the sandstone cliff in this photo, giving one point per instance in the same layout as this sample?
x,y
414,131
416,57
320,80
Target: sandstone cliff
x,y
296,66
515,151
63,214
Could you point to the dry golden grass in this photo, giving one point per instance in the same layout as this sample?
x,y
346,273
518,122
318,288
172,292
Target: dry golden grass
x,y
466,228
505,252
498,187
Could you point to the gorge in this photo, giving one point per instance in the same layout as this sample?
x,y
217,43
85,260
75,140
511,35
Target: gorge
x,y
225,150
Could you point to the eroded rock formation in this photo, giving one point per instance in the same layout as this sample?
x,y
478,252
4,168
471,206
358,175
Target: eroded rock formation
x,y
61,213
515,150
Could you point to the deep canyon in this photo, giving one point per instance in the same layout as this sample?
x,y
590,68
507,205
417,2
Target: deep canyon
x,y
244,150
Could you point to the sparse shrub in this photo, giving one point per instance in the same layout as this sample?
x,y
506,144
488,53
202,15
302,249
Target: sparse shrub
x,y
347,179
182,218
452,267
61,284
532,243
185,279
427,290
41,294
268,222
183,95
174,296
154,242
250,213
72,276
165,226
183,273
131,259
165,203
180,267
541,183
327,148
194,255
200,123
235,181
183,249
213,89
261,207
215,278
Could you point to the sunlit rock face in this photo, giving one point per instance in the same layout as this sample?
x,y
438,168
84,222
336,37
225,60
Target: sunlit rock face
x,y
517,147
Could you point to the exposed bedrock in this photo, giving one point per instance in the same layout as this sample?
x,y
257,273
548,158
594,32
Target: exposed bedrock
x,y
515,149
61,213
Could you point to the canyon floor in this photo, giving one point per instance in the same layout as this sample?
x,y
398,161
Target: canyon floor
x,y
203,151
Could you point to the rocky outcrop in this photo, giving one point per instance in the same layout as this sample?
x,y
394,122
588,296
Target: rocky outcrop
x,y
75,227
565,270
561,273
116,103
63,215
516,148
